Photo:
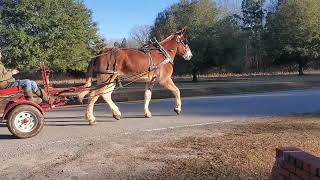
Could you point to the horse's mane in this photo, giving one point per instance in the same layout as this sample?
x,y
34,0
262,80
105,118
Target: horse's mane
x,y
167,39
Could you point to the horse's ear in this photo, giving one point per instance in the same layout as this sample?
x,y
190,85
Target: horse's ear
x,y
182,31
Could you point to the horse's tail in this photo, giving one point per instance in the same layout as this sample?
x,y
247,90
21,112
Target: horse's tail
x,y
89,76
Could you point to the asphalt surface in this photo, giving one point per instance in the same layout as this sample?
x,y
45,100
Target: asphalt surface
x,y
67,126
69,122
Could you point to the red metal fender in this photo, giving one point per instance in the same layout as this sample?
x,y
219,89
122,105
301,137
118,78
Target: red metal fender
x,y
13,104
10,91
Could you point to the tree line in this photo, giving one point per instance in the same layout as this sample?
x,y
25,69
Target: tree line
x,y
286,32
260,35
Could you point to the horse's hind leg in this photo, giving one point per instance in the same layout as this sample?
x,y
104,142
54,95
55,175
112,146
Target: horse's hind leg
x,y
89,113
147,99
169,84
107,97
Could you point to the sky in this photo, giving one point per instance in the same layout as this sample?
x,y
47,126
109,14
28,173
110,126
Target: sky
x,y
116,18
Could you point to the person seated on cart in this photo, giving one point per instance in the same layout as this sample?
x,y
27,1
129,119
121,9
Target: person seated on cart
x,y
29,87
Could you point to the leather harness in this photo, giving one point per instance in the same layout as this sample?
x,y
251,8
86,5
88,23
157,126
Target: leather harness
x,y
152,45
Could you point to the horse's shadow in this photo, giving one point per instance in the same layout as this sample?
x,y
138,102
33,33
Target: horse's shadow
x,y
143,117
74,121
80,120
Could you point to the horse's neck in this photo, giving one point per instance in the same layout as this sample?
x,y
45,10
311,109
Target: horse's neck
x,y
170,47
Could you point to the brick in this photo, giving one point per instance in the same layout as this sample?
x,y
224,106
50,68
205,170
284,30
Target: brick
x,y
299,164
279,151
284,172
315,178
306,167
294,177
310,163
302,174
288,166
312,166
281,178
314,170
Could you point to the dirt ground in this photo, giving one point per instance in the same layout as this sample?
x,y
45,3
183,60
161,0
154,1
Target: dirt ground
x,y
234,150
243,150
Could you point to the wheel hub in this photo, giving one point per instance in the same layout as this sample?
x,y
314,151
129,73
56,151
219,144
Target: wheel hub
x,y
25,121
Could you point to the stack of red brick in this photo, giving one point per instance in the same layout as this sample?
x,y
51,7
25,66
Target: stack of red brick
x,y
293,163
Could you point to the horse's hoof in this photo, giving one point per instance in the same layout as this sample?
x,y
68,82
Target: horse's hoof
x,y
148,115
117,117
178,111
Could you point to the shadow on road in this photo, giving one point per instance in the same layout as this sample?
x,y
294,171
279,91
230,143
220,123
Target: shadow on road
x,y
6,137
65,125
80,121
68,117
142,116
3,125
76,117
75,121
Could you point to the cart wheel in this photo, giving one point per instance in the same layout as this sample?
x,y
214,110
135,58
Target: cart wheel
x,y
25,121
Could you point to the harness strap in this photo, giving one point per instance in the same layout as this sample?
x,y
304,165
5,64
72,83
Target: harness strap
x,y
108,72
112,64
162,50
152,66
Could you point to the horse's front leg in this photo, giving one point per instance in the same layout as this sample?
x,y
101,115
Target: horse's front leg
x,y
147,99
89,113
107,97
169,84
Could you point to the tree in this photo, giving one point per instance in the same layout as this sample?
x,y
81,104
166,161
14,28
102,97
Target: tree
x,y
199,16
226,46
60,33
293,32
140,34
252,24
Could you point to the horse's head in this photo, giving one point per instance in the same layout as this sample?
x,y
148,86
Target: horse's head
x,y
183,48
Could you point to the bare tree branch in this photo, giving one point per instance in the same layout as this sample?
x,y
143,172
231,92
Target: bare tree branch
x,y
140,34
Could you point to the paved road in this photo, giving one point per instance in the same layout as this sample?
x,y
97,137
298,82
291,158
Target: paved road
x,y
62,149
68,123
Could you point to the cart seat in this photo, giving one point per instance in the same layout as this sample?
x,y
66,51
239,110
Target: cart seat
x,y
10,91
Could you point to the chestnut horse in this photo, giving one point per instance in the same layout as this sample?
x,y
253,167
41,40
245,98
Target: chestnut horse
x,y
111,63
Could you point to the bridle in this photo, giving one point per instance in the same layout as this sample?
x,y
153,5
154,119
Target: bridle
x,y
183,41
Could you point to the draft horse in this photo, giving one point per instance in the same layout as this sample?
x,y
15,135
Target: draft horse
x,y
112,63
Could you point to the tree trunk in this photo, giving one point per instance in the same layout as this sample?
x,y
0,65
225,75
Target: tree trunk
x,y
301,69
195,76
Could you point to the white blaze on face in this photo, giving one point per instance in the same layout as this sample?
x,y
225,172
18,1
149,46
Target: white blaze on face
x,y
188,54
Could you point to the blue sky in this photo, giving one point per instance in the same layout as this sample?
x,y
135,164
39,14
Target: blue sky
x,y
116,18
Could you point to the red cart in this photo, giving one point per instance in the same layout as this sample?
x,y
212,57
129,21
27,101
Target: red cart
x,y
25,118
